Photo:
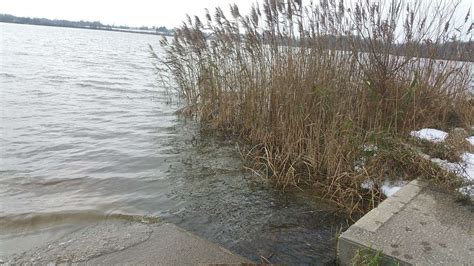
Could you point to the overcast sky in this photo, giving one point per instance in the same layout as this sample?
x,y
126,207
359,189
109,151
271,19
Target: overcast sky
x,y
126,12
119,12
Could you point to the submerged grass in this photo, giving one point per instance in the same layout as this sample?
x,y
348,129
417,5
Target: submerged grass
x,y
310,87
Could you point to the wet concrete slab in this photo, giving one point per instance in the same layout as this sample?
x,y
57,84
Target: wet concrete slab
x,y
418,225
127,242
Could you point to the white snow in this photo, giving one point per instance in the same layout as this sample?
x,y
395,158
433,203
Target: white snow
x,y
471,140
389,188
430,134
370,147
360,163
467,190
464,169
468,159
367,184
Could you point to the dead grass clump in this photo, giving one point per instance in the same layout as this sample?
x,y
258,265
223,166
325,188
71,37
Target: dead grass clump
x,y
307,87
457,141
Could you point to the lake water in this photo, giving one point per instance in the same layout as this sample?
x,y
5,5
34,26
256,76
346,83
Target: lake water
x,y
86,132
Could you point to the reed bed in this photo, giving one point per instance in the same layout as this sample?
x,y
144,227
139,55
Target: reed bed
x,y
324,95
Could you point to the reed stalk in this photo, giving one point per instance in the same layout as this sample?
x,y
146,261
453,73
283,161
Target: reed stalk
x,y
310,86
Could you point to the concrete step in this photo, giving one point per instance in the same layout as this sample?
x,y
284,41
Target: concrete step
x,y
418,225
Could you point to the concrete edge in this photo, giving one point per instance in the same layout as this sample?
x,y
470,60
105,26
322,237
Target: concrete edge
x,y
217,246
348,244
350,248
389,207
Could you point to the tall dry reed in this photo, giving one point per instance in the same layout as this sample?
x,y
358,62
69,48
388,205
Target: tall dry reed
x,y
314,88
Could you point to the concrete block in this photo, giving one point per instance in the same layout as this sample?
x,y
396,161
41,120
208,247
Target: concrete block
x,y
417,225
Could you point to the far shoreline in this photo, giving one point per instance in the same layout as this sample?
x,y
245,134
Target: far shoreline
x,y
99,29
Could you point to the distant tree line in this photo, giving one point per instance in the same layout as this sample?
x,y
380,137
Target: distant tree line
x,y
79,24
450,50
50,22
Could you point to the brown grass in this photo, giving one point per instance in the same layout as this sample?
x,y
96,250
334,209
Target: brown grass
x,y
306,87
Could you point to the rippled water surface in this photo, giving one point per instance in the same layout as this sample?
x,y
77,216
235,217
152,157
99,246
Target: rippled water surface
x,y
85,132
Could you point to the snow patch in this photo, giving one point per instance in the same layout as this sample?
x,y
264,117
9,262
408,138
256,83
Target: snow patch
x,y
467,190
471,140
468,159
360,163
367,184
430,134
370,147
465,169
389,188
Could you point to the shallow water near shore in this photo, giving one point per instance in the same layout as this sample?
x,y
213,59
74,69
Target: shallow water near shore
x,y
86,133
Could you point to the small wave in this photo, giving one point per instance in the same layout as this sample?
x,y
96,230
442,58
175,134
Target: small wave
x,y
105,83
62,77
7,75
139,67
95,87
31,221
54,182
57,79
53,148
22,53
